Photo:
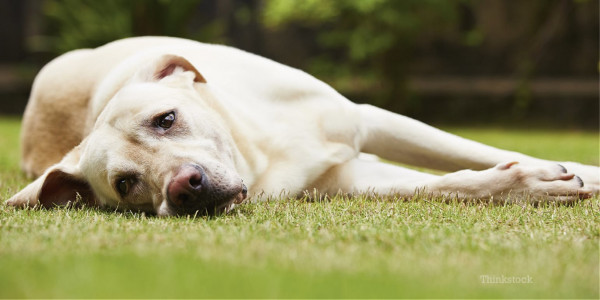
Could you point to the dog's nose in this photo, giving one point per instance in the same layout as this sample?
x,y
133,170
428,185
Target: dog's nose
x,y
187,185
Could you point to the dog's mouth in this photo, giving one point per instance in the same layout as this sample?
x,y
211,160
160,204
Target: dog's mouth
x,y
238,199
208,208
192,192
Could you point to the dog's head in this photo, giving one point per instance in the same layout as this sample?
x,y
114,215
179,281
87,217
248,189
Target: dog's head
x,y
157,146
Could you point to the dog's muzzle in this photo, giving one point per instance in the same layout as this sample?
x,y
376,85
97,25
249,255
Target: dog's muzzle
x,y
191,191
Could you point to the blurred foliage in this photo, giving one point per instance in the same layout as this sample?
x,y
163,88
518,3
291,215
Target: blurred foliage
x,y
374,43
372,38
86,23
91,23
366,28
363,48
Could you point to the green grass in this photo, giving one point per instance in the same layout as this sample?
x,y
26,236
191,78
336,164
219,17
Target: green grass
x,y
355,248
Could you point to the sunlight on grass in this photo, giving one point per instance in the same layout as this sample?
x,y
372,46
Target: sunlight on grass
x,y
9,144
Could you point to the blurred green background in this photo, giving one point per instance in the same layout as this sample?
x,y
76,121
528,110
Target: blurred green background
x,y
516,63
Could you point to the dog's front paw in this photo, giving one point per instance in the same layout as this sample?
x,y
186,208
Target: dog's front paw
x,y
552,182
589,174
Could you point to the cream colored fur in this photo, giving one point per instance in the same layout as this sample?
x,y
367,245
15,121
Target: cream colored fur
x,y
246,120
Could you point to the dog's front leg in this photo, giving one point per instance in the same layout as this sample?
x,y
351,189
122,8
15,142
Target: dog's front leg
x,y
510,181
504,182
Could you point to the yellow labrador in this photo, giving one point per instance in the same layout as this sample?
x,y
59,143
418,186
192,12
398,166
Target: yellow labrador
x,y
177,127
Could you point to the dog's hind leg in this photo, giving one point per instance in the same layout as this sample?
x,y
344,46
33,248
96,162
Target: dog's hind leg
x,y
402,139
405,140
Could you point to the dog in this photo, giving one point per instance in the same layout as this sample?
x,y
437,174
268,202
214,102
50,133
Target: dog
x,y
177,127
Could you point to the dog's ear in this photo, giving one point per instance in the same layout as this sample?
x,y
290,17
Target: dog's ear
x,y
167,65
60,185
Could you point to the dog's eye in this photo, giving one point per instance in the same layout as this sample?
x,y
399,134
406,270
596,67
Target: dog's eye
x,y
123,185
166,121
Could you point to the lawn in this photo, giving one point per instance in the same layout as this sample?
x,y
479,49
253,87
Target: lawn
x,y
355,248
